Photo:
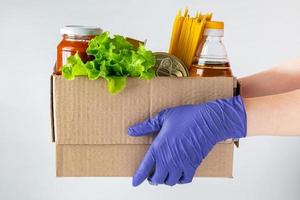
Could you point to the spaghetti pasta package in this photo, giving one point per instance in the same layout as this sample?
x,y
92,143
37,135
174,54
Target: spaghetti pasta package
x,y
187,35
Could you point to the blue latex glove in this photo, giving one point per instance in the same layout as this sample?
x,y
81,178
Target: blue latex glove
x,y
186,135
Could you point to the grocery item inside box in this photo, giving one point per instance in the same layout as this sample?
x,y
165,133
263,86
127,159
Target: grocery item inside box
x,y
196,49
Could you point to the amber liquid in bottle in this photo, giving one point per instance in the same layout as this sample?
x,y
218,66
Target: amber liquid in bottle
x,y
211,69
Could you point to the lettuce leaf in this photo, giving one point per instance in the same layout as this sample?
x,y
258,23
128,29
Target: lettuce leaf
x,y
115,59
116,83
74,67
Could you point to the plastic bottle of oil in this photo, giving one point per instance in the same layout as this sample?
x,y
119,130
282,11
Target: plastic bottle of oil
x,y
213,57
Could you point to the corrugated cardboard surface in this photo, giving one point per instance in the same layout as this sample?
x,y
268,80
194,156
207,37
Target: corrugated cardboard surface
x,y
90,124
122,160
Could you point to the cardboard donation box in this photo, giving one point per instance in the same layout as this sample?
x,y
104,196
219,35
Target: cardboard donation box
x,y
90,124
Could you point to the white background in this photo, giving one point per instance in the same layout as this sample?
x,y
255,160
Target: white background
x,y
258,34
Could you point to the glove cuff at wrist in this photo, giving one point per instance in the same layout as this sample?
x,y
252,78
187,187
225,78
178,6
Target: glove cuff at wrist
x,y
228,118
234,116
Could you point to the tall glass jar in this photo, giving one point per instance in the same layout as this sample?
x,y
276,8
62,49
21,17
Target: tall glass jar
x,y
74,39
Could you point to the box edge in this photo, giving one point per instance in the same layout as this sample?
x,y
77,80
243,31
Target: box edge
x,y
52,110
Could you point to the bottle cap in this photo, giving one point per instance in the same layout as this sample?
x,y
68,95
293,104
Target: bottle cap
x,y
214,25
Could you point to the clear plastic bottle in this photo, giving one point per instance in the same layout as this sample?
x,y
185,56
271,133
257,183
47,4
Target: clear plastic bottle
x,y
213,57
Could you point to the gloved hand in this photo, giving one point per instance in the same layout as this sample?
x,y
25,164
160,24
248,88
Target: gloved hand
x,y
186,135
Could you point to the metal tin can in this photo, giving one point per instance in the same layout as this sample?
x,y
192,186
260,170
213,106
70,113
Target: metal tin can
x,y
169,65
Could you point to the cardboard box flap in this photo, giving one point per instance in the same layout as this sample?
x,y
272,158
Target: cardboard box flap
x,y
84,112
168,92
123,160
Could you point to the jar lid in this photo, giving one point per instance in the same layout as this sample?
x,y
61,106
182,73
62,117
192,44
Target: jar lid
x,y
80,30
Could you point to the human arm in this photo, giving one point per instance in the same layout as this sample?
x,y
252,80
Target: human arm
x,y
272,98
273,115
188,133
282,78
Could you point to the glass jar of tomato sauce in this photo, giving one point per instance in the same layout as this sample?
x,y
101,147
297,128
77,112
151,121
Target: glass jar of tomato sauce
x,y
75,39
